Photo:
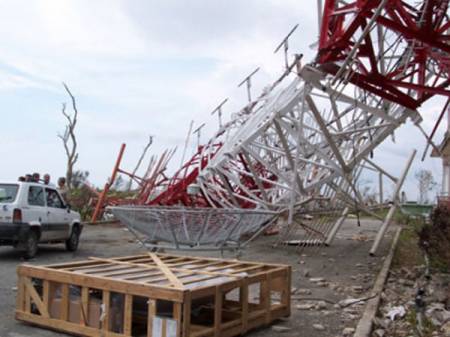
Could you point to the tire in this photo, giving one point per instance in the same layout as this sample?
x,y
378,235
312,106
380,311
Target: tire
x,y
73,241
31,245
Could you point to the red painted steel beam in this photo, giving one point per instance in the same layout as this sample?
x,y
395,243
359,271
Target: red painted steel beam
x,y
101,201
422,28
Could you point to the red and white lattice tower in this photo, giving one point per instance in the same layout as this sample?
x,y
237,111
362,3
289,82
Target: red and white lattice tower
x,y
301,146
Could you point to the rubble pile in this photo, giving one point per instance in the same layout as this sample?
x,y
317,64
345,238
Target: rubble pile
x,y
414,305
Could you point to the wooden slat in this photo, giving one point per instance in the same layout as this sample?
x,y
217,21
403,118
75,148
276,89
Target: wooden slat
x,y
100,265
127,315
159,265
243,299
218,302
102,283
20,299
231,324
172,259
203,264
46,293
106,306
187,314
140,277
231,261
202,279
105,270
84,317
159,279
170,275
245,269
36,299
183,262
177,313
129,264
231,265
202,331
204,272
56,324
67,265
267,296
164,328
27,299
286,296
151,315
64,301
125,271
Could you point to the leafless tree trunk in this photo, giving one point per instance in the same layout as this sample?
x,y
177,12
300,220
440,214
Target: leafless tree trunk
x,y
144,152
68,138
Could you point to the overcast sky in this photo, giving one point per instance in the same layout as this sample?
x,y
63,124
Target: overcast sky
x,y
140,68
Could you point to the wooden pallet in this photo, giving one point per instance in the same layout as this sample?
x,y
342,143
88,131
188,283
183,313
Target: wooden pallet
x,y
154,295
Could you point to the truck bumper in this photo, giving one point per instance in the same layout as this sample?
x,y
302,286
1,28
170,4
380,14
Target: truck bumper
x,y
11,234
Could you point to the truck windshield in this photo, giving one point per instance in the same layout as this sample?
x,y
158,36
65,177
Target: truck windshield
x,y
8,193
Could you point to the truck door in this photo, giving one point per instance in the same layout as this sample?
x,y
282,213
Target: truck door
x,y
36,211
58,217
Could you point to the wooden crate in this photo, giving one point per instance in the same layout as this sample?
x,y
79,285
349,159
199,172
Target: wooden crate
x,y
155,295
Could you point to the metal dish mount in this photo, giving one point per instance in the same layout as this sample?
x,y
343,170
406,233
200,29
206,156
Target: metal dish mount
x,y
200,229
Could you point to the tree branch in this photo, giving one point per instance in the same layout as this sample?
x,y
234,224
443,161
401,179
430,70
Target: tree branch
x,y
69,138
141,158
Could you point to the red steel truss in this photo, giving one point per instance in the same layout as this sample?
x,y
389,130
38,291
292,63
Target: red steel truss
x,y
402,49
175,192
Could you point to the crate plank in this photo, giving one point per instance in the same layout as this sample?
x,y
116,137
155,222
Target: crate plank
x,y
35,296
64,301
84,306
127,315
166,270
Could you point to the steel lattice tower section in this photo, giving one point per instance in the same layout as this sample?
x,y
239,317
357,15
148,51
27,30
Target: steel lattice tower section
x,y
300,147
378,61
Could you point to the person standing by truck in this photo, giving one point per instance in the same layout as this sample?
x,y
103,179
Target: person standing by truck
x,y
46,179
62,188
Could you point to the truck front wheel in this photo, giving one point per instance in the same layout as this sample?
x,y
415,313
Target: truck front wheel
x,y
74,239
31,245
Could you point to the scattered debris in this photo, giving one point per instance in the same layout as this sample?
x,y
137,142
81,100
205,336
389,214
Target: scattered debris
x,y
319,327
396,312
317,280
406,312
280,328
306,306
304,292
351,301
348,332
379,333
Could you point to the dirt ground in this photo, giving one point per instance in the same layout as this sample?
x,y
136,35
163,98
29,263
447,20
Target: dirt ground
x,y
346,268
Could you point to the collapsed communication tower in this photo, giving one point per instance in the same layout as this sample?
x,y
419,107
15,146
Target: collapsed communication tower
x,y
300,147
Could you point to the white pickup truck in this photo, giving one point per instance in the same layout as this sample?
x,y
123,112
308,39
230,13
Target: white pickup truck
x,y
32,213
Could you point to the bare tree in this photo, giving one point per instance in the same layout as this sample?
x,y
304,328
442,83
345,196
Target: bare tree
x,y
68,138
141,158
426,184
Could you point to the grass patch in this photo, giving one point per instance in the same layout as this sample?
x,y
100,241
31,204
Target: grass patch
x,y
408,253
427,326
